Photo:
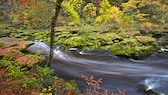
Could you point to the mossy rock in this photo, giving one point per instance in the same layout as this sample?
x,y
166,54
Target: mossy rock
x,y
81,38
129,33
145,40
163,41
30,34
130,48
59,39
4,32
5,25
91,35
2,43
110,36
93,44
123,48
143,52
153,92
89,28
77,42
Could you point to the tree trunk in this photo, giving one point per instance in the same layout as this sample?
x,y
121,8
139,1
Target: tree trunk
x,y
53,26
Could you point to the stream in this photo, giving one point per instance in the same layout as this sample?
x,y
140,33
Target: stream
x,y
137,77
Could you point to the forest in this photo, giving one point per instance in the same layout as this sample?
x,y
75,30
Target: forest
x,y
129,29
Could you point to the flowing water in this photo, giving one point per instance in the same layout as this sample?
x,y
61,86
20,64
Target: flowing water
x,y
137,77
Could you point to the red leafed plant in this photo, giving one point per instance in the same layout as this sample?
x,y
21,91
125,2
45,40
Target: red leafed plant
x,y
95,84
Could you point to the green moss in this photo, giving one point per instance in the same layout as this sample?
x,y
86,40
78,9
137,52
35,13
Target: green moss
x,y
146,40
4,25
59,39
89,28
30,34
91,35
129,48
78,42
2,44
123,48
110,38
93,44
143,51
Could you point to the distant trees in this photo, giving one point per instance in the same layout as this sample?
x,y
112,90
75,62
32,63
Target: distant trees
x,y
31,13
146,11
108,14
122,13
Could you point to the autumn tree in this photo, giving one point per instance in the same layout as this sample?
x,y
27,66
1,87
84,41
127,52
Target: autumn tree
x,y
31,13
89,13
72,10
108,13
147,12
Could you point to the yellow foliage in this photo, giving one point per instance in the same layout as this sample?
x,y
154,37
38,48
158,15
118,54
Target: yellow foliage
x,y
15,17
142,17
126,24
108,13
89,10
70,7
146,10
131,5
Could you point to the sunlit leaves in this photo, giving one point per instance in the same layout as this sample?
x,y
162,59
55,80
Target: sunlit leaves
x,y
108,13
89,11
146,11
70,8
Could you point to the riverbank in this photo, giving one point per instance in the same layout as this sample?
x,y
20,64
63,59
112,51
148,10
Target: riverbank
x,y
24,73
125,43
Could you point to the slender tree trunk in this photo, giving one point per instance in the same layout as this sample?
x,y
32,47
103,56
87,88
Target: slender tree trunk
x,y
53,26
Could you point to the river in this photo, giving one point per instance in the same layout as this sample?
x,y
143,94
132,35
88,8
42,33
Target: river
x,y
137,77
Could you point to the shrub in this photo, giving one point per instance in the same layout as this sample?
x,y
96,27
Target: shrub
x,y
95,87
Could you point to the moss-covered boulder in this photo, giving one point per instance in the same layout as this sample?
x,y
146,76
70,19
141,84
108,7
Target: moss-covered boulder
x,y
130,47
127,47
110,38
77,42
93,39
145,40
2,43
120,45
5,29
61,36
163,41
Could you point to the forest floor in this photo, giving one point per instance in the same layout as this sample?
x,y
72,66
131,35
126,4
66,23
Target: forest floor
x,y
22,73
